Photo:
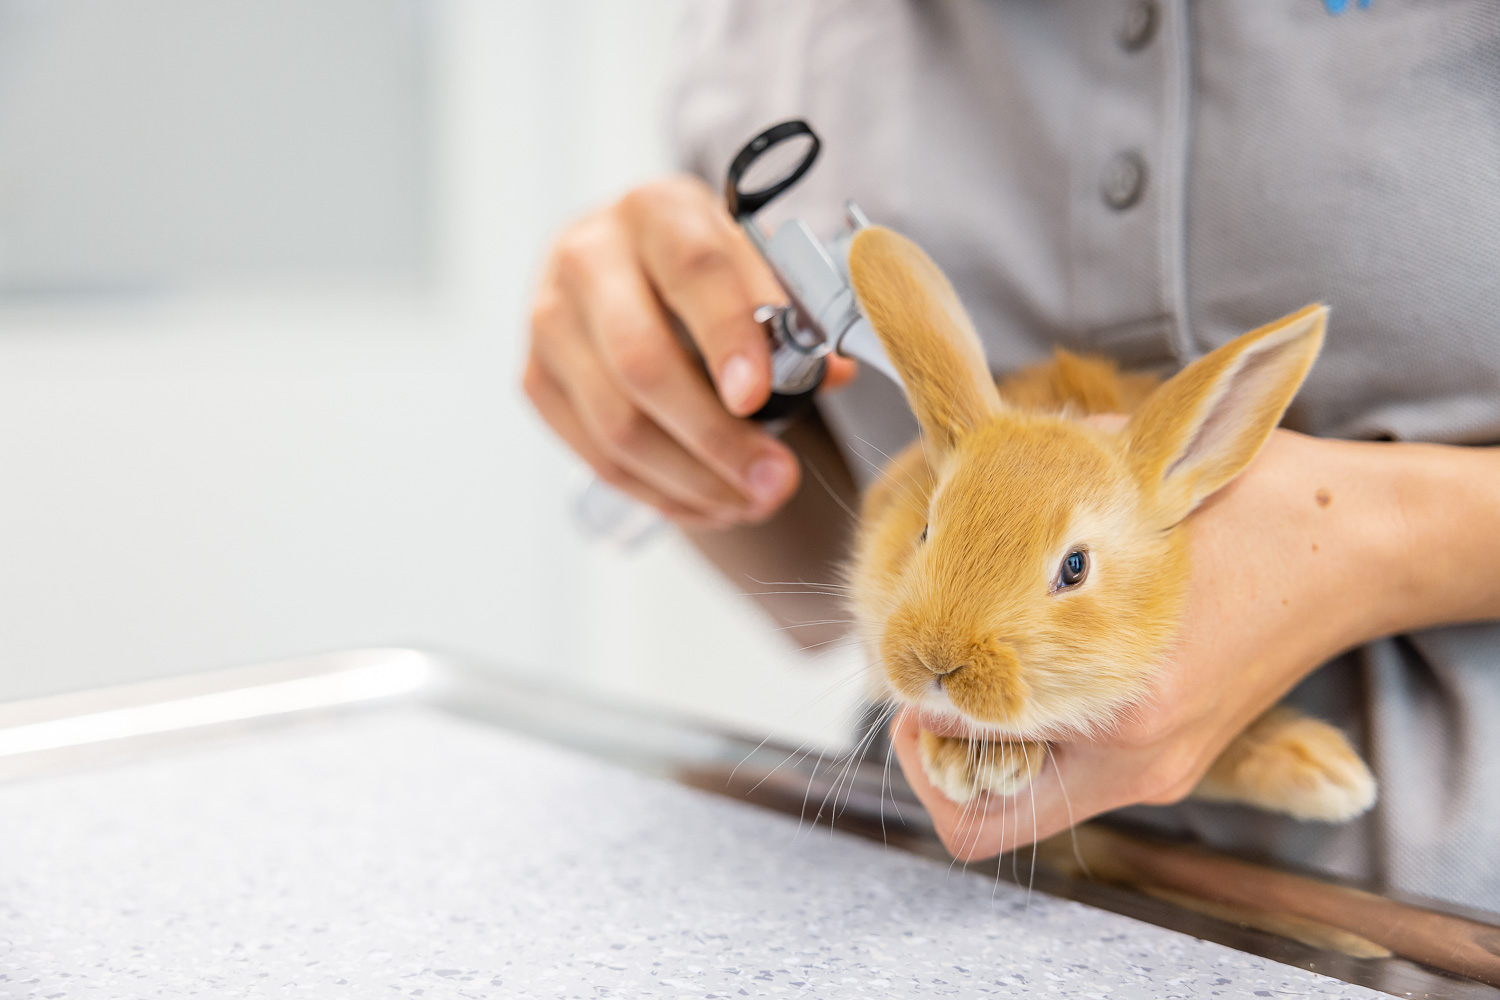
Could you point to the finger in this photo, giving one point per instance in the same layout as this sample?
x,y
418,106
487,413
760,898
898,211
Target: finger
x,y
1107,421
627,437
708,276
944,725
552,403
763,286
841,371
625,322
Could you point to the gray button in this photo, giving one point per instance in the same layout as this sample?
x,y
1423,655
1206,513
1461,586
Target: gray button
x,y
1139,26
1124,180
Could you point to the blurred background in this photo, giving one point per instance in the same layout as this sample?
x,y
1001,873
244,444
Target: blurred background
x,y
264,273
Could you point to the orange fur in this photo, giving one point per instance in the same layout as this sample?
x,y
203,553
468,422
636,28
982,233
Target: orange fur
x,y
949,385
1294,764
971,620
1072,384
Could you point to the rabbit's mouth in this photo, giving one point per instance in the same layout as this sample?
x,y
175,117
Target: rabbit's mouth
x,y
978,678
939,715
936,702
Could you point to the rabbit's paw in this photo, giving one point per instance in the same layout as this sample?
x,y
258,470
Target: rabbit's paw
x,y
1290,763
961,769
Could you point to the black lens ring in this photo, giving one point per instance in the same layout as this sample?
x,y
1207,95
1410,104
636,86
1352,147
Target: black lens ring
x,y
746,203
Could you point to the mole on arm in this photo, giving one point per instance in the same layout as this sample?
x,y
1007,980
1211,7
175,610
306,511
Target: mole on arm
x,y
1323,497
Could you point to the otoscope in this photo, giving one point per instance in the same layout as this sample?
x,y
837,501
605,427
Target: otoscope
x,y
821,315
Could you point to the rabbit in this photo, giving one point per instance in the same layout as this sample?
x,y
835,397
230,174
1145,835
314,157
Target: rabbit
x,y
1026,571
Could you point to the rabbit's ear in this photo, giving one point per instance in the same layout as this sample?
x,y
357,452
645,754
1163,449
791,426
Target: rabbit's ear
x,y
1203,426
926,334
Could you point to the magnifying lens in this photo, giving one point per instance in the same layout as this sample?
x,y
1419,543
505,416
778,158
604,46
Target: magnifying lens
x,y
769,164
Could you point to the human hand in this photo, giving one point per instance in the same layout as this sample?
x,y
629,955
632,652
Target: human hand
x,y
1285,569
609,375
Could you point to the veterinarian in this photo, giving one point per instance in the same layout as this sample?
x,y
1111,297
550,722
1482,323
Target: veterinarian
x,y
1144,179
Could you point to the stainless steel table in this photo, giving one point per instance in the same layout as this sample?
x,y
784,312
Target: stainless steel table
x,y
394,822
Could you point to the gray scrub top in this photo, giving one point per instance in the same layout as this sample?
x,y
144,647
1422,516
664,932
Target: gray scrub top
x,y
1147,179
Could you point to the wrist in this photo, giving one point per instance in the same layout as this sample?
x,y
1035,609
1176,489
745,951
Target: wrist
x,y
1286,566
1344,537
1357,488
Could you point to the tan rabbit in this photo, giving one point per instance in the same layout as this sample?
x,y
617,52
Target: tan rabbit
x,y
1026,570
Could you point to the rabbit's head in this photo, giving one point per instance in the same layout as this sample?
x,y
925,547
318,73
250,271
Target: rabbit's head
x,y
1025,570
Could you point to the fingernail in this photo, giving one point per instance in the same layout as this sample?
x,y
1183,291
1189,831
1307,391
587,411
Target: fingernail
x,y
736,381
769,479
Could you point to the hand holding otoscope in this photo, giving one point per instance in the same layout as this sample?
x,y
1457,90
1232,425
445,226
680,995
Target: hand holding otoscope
x,y
821,319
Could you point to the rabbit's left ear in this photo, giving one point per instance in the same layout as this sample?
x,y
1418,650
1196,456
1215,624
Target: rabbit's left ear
x,y
1200,429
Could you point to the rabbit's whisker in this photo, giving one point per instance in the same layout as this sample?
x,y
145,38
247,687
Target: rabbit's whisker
x,y
820,621
841,641
802,748
914,501
798,593
1015,830
1031,786
1068,804
818,585
850,769
885,780
981,802
884,726
818,475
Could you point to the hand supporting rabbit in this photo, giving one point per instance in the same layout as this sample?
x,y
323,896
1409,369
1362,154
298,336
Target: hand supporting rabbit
x,y
1263,609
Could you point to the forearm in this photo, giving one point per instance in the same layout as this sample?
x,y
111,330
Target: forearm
x,y
790,565
1399,537
1445,504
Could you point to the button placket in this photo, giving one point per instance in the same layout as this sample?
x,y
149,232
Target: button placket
x,y
1124,180
1121,296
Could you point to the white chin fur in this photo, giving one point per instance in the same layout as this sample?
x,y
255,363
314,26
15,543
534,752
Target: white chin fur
x,y
938,704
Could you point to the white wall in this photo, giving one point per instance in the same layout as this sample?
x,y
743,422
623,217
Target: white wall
x,y
148,143
206,478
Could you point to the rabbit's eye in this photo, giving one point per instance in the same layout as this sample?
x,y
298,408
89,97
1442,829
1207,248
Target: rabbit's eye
x,y
1074,568
924,534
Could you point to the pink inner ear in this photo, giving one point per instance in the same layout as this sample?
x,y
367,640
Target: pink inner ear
x,y
1239,410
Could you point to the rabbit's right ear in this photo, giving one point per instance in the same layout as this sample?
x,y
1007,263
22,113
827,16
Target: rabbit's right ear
x,y
926,334
1201,427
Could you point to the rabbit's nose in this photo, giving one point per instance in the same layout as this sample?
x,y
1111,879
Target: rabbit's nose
x,y
940,666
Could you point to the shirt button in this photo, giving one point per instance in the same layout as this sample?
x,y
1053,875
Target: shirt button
x,y
1139,26
1124,180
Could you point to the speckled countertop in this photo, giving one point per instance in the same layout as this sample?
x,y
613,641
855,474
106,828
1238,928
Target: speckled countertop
x,y
410,853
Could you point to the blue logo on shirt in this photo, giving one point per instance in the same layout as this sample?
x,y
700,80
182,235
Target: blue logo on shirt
x,y
1339,6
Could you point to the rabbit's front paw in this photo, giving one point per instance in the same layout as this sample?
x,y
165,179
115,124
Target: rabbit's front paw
x,y
1290,763
961,768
